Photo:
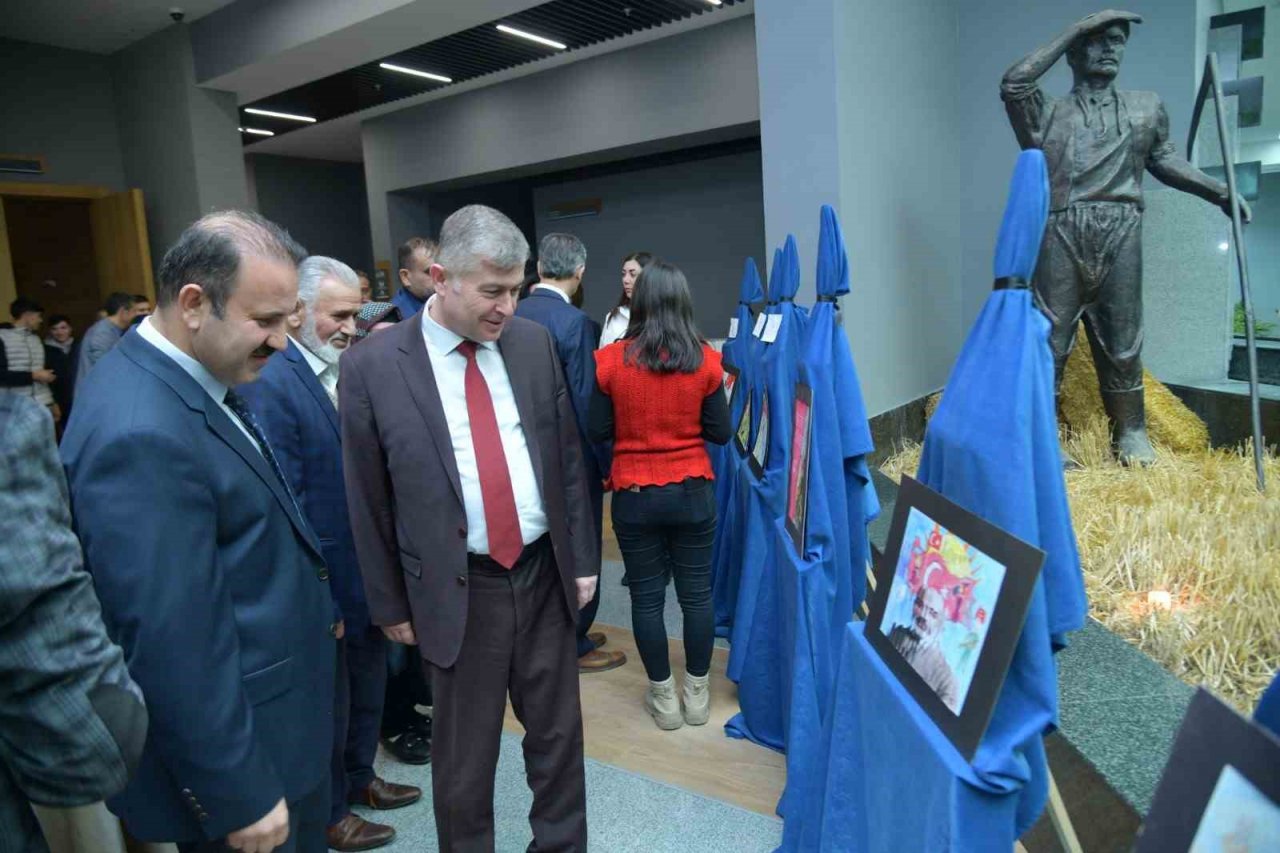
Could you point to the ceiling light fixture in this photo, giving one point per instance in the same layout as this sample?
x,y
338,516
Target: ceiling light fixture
x,y
259,112
512,31
715,2
415,72
256,131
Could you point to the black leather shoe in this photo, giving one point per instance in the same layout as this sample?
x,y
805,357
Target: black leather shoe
x,y
409,747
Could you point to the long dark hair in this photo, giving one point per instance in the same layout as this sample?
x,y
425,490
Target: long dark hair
x,y
662,336
641,258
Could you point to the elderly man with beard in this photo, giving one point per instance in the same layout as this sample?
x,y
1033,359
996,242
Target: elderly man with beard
x,y
296,403
918,644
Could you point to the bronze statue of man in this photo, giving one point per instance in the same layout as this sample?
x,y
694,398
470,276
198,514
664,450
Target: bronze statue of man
x,y
1097,142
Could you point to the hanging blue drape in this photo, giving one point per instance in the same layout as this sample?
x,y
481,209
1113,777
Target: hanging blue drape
x,y
992,447
820,587
726,554
756,652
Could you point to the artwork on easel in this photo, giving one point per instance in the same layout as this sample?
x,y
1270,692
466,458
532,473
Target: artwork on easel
x,y
951,596
760,450
798,479
743,435
1220,792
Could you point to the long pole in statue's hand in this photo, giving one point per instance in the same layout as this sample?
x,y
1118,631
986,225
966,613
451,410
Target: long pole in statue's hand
x,y
1212,83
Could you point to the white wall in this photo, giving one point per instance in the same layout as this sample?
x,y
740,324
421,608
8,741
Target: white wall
x,y
705,217
653,96
58,103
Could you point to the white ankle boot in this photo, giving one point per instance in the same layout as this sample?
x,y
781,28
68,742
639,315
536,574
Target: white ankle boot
x,y
697,699
663,704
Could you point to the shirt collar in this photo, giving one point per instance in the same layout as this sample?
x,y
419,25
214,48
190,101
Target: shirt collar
x,y
318,365
444,341
553,289
193,368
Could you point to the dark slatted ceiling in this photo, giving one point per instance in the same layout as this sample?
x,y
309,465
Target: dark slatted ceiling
x,y
469,54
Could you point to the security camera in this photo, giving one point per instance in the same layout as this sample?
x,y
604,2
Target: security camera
x,y
177,15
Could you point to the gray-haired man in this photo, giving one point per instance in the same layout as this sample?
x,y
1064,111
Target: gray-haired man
x,y
295,401
469,505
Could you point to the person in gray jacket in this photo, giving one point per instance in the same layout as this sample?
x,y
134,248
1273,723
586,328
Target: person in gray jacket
x,y
72,721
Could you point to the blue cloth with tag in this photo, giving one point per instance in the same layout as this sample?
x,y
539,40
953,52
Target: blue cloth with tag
x,y
756,651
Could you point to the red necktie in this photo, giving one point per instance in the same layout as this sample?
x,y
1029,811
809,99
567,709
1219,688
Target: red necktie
x,y
500,516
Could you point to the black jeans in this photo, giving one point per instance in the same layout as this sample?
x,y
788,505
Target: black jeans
x,y
665,530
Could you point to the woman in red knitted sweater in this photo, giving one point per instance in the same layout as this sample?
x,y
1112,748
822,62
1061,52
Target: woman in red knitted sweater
x,y
659,400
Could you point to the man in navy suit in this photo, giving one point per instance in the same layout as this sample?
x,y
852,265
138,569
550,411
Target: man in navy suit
x,y
295,401
210,579
562,261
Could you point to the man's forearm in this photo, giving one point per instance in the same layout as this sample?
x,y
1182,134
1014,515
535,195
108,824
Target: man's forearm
x,y
1036,64
1176,172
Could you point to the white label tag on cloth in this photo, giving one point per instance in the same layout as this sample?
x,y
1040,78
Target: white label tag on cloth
x,y
761,319
733,327
771,328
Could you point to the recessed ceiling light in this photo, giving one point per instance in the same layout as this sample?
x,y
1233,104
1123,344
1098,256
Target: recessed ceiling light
x,y
715,2
531,37
415,72
259,112
256,131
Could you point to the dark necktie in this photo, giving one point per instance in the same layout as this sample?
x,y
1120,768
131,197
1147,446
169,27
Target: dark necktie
x,y
500,516
237,405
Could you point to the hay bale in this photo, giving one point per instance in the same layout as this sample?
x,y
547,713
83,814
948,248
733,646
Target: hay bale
x,y
1169,421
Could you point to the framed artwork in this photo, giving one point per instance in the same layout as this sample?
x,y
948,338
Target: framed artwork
x,y
951,597
743,435
798,481
760,450
1220,792
731,375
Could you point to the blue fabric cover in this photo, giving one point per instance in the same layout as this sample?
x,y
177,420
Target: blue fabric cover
x,y
755,657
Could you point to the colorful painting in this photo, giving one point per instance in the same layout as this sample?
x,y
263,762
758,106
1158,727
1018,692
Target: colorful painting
x,y
940,606
1238,819
744,426
760,450
798,482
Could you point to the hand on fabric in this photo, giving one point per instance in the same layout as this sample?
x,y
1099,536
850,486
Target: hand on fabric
x,y
402,633
341,631
265,835
44,376
586,590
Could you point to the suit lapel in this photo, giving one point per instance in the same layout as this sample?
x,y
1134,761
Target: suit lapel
x,y
519,372
311,382
219,422
415,367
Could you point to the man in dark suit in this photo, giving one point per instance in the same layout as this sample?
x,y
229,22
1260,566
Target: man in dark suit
x,y
469,506
209,577
73,720
295,401
562,261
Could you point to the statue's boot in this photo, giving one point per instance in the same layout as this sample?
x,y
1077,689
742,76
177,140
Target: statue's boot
x,y
1128,414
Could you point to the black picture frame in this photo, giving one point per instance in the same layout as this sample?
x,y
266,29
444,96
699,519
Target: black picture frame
x,y
1217,756
1019,564
796,515
758,458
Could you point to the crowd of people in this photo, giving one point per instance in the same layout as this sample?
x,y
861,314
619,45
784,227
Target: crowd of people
x,y
309,516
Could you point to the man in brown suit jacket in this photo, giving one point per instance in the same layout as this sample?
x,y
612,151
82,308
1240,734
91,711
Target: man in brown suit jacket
x,y
468,502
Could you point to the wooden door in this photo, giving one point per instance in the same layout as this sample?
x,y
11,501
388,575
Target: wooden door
x,y
120,244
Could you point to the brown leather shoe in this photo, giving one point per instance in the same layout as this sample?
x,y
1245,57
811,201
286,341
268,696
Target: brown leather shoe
x,y
597,638
355,833
598,661
384,795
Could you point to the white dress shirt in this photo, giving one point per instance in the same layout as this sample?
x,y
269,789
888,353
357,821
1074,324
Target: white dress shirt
x,y
196,371
615,325
553,289
450,367
327,373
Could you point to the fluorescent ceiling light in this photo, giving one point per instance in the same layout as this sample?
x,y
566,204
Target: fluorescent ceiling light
x,y
415,72
715,2
256,131
531,37
259,112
